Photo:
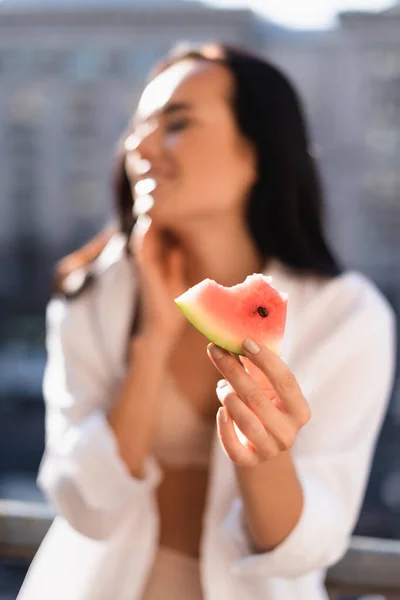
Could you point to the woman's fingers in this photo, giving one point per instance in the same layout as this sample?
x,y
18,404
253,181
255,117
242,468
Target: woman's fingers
x,y
267,441
282,379
274,420
259,377
139,234
161,269
234,449
159,261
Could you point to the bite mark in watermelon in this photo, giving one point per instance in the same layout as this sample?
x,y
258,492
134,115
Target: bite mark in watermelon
x,y
228,315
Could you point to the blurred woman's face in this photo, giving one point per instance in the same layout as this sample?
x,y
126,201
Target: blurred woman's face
x,y
186,157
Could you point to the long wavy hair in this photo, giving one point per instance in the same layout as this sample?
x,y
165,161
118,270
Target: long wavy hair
x,y
285,206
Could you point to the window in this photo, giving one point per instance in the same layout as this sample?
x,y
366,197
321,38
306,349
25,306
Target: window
x,y
85,191
86,64
115,64
50,62
84,184
13,62
383,141
384,100
140,62
383,64
31,62
22,156
82,122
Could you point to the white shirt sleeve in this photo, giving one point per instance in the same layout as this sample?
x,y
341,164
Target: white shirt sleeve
x,y
81,472
352,372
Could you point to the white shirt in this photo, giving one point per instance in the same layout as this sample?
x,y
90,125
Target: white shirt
x,y
340,344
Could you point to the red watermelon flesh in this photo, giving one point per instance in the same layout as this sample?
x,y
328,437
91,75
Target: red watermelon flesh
x,y
228,315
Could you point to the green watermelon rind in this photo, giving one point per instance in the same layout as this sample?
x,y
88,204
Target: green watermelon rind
x,y
202,324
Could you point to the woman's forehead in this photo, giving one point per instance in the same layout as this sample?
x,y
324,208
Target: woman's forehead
x,y
189,81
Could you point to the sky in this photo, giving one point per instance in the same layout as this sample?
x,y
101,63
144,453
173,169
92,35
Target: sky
x,y
305,14
299,14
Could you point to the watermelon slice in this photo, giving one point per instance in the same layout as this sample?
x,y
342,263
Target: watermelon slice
x,y
228,315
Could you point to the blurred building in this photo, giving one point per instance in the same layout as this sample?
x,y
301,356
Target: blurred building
x,y
71,72
70,75
349,78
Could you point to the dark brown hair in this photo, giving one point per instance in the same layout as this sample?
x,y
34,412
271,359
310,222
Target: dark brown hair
x,y
284,212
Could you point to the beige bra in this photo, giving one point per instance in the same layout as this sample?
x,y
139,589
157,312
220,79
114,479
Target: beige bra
x,y
182,437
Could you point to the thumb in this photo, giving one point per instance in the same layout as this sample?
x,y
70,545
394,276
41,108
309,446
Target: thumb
x,y
138,235
146,245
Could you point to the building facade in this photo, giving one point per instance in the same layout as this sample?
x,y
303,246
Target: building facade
x,y
349,79
70,78
70,75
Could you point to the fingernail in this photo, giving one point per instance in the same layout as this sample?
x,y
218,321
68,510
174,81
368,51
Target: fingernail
x,y
250,346
222,383
223,415
215,351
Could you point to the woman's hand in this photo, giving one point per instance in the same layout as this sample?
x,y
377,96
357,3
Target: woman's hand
x,y
263,405
161,274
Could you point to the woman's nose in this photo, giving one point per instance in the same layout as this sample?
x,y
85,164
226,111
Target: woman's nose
x,y
143,141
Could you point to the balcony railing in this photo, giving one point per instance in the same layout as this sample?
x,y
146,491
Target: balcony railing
x,y
371,566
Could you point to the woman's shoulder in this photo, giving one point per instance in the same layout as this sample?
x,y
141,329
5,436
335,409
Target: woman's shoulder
x,y
348,312
350,291
356,294
345,311
108,284
112,259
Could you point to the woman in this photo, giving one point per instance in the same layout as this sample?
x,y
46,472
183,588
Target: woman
x,y
154,500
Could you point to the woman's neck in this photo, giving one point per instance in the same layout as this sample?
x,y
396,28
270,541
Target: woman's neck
x,y
221,249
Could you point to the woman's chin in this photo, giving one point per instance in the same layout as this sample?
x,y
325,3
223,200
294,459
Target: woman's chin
x,y
163,212
162,219
153,206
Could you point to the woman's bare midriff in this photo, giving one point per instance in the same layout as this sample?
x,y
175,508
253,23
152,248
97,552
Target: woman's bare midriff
x,y
181,498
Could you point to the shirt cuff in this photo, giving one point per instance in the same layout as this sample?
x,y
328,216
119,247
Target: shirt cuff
x,y
317,541
88,452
